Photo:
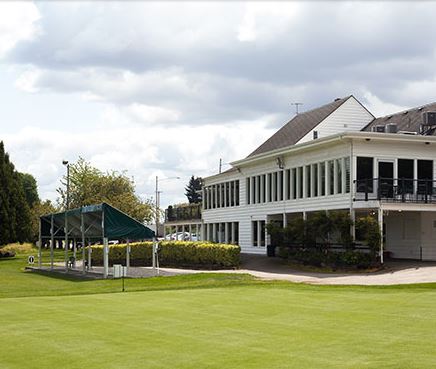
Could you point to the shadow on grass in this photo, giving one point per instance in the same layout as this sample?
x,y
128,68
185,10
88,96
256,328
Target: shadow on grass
x,y
55,274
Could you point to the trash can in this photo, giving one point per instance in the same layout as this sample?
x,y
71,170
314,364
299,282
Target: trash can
x,y
271,251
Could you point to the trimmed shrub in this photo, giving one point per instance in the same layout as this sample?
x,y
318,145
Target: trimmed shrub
x,y
182,254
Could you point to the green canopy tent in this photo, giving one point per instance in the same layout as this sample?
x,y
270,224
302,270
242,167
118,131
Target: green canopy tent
x,y
92,223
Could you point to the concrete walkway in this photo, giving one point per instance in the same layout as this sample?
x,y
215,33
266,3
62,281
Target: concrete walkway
x,y
260,266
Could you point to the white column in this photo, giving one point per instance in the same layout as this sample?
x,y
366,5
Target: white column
x,y
380,223
304,181
285,220
235,193
214,232
285,185
291,183
415,176
327,177
233,233
226,232
220,238
335,176
216,195
190,232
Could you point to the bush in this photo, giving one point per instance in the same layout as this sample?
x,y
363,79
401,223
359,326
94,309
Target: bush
x,y
173,254
19,248
334,259
6,253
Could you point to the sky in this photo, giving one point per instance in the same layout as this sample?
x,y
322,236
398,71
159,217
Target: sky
x,y
168,89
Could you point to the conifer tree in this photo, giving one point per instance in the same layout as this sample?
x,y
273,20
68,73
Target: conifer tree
x,y
193,190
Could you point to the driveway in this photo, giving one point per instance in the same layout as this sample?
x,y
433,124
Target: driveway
x,y
260,266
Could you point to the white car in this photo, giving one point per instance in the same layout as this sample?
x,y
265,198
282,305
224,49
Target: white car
x,y
181,236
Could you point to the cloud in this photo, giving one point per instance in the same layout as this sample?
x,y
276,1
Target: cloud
x,y
179,85
18,22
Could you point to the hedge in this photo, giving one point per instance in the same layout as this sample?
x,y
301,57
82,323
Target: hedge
x,y
183,254
321,258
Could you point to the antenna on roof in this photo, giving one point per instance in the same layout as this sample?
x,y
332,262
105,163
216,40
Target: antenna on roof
x,y
296,106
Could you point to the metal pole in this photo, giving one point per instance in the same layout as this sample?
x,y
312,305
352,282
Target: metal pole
x,y
157,206
127,256
68,186
105,257
153,257
51,241
39,245
89,254
66,240
82,228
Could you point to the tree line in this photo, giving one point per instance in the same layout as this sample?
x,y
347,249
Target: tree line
x,y
21,206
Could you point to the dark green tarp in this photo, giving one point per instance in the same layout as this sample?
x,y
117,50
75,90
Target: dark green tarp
x,y
99,221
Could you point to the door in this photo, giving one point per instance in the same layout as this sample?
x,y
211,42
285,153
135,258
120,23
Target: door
x,y
386,179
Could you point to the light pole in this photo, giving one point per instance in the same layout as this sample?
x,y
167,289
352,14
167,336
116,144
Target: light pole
x,y
65,162
157,201
67,243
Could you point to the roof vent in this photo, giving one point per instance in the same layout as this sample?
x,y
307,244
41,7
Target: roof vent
x,y
429,118
337,99
378,129
391,128
405,112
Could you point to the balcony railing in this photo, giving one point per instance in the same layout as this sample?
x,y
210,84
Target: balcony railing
x,y
181,213
395,190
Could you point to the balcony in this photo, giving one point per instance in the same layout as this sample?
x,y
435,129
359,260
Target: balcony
x,y
396,190
180,213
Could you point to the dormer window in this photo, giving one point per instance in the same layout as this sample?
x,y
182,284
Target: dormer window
x,y
315,135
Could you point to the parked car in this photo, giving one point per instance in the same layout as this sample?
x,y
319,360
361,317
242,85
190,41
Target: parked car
x,y
181,236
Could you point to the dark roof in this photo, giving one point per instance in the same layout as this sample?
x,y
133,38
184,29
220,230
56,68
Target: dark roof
x,y
298,127
101,220
407,120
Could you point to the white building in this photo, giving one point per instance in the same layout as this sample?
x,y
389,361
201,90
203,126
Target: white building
x,y
338,156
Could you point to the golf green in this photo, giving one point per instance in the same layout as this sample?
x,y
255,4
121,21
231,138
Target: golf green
x,y
213,321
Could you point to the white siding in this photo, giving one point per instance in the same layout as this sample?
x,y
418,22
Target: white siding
x,y
350,116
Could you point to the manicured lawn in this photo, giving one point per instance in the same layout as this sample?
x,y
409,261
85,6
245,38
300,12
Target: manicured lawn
x,y
211,321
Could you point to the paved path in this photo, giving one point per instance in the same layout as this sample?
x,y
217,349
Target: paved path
x,y
395,272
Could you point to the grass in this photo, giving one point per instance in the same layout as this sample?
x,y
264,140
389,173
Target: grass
x,y
211,321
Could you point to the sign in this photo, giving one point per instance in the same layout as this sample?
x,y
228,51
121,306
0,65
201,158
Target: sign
x,y
119,271
31,259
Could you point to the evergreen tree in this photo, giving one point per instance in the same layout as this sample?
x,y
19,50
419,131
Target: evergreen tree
x,y
193,190
14,210
30,189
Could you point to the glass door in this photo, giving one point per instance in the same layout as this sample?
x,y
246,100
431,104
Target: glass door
x,y
385,179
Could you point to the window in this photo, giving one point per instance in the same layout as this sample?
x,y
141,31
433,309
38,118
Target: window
x,y
405,175
294,183
315,135
280,185
274,186
288,184
237,193
365,174
254,233
263,187
315,180
425,176
269,187
322,179
331,176
300,183
339,175
248,191
308,181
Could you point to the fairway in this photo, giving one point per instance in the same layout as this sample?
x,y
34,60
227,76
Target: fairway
x,y
213,321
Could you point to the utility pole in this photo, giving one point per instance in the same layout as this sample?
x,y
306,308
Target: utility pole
x,y
297,104
65,162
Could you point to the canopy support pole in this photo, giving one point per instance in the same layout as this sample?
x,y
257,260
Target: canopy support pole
x,y
105,257
51,241
39,245
66,241
127,256
82,228
89,254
